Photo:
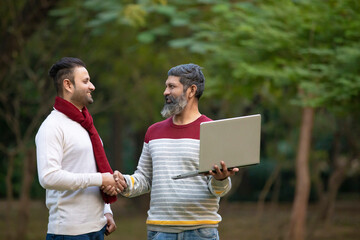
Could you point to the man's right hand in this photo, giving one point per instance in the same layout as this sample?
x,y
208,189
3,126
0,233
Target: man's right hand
x,y
113,184
108,184
107,179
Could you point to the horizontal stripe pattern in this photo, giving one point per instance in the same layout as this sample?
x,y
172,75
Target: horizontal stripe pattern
x,y
182,202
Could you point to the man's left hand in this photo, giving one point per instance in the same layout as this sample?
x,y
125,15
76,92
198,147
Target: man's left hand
x,y
111,226
223,173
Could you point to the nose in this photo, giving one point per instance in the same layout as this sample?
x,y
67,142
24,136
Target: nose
x,y
166,92
92,86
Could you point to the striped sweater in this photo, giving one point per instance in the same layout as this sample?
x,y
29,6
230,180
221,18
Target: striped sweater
x,y
176,205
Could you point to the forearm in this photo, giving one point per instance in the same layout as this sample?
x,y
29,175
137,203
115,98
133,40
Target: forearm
x,y
64,180
137,184
140,182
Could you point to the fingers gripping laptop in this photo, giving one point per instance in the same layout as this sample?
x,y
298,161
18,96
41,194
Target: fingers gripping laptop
x,y
236,141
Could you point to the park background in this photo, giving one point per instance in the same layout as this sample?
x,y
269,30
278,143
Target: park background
x,y
296,62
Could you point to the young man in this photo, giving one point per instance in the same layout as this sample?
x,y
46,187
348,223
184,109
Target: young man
x,y
69,156
186,208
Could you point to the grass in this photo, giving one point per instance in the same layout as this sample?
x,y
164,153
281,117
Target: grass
x,y
240,221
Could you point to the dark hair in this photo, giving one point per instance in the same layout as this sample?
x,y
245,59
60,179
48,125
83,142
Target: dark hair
x,y
189,74
62,69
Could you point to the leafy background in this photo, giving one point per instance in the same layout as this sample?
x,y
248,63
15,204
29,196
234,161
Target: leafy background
x,y
275,58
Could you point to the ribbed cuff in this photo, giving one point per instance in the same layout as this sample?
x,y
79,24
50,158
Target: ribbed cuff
x,y
222,183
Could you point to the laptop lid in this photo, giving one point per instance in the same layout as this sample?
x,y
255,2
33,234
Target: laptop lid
x,y
236,141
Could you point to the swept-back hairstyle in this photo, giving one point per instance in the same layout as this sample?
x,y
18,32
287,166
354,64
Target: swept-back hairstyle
x,y
64,69
189,74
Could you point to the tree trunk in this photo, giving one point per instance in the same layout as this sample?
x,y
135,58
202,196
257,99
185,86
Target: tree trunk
x,y
264,192
297,229
335,181
276,193
328,198
9,197
24,203
340,165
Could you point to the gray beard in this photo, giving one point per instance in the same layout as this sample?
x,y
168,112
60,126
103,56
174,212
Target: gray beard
x,y
174,108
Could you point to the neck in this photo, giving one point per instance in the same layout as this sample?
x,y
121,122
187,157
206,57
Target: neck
x,y
188,115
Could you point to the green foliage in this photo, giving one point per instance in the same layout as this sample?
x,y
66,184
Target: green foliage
x,y
126,74
312,46
304,53
256,56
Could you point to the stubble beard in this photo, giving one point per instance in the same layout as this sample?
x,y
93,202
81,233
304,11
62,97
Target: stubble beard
x,y
82,99
176,106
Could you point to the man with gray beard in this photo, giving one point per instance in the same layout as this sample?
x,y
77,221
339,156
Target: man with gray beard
x,y
173,105
185,208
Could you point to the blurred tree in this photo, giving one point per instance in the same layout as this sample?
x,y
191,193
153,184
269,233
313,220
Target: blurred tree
x,y
125,73
19,21
305,51
343,157
257,57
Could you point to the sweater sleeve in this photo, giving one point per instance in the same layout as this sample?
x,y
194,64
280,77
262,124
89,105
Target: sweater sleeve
x,y
49,154
219,188
140,182
107,209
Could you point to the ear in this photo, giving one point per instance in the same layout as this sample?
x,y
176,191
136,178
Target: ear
x,y
68,86
192,90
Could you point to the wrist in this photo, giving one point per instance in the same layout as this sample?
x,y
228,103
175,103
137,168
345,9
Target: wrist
x,y
106,178
96,179
222,179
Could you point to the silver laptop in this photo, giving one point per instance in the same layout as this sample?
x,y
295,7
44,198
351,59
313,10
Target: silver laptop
x,y
236,141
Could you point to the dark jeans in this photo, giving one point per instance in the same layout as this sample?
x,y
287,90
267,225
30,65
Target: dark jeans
x,y
88,236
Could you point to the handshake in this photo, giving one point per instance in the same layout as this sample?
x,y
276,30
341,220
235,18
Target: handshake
x,y
113,184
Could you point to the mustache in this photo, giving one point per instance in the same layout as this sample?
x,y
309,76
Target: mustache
x,y
171,99
173,106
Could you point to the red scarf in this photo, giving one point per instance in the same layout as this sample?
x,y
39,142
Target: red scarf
x,y
86,121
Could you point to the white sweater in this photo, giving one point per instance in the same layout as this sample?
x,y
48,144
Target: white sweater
x,y
67,170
